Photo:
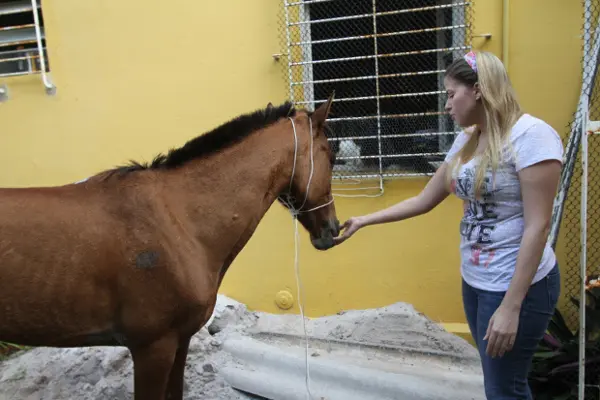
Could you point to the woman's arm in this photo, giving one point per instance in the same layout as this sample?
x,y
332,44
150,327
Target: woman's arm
x,y
538,162
538,187
433,194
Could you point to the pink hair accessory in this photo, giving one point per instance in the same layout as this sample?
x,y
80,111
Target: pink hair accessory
x,y
471,59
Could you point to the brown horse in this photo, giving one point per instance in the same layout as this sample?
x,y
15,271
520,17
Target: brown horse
x,y
135,256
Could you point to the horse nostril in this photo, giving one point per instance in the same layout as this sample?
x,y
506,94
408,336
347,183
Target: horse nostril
x,y
336,227
332,226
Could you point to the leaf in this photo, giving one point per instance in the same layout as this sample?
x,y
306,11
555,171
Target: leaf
x,y
546,354
551,341
558,327
566,367
574,365
7,349
574,301
559,330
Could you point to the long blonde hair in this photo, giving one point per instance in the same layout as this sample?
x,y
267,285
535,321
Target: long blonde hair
x,y
501,109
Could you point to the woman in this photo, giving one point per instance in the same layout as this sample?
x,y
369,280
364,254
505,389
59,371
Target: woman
x,y
506,169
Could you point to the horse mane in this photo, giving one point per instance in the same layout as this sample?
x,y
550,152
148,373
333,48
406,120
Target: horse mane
x,y
219,138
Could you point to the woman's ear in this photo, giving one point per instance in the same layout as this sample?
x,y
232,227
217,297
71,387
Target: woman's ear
x,y
477,91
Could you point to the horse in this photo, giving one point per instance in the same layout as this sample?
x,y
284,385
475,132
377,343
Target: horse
x,y
134,256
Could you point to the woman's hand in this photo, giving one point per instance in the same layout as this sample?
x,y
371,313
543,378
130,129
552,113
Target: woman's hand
x,y
502,331
349,227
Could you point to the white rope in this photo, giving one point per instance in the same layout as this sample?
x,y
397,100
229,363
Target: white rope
x,y
301,306
357,182
289,202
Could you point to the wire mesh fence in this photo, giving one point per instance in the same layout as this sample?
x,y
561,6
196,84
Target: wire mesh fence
x,y
560,364
384,59
573,221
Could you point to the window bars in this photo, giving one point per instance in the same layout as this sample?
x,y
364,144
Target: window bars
x,y
384,60
23,42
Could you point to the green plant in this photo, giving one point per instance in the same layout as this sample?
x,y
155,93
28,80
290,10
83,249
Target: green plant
x,y
555,369
7,349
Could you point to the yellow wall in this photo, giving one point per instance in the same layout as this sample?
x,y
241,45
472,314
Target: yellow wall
x,y
135,81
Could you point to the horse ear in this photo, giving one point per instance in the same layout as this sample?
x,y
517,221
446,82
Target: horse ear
x,y
321,113
269,108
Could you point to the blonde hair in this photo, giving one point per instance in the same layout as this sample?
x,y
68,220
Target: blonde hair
x,y
501,109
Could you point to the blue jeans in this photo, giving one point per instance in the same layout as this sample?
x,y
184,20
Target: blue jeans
x,y
505,378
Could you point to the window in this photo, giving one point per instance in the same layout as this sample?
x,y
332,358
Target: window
x,y
19,54
385,61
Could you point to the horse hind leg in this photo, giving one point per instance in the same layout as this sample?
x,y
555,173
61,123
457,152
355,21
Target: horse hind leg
x,y
176,378
152,366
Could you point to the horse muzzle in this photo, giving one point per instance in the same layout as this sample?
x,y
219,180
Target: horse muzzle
x,y
329,230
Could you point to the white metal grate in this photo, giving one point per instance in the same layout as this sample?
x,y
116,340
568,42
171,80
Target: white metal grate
x,y
572,371
23,42
18,43
385,61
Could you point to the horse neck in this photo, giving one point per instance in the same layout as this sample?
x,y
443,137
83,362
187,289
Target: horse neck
x,y
225,196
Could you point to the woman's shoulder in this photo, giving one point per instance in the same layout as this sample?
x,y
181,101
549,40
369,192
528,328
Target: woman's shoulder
x,y
534,140
532,127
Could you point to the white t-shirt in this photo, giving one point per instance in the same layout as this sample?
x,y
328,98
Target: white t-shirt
x,y
491,229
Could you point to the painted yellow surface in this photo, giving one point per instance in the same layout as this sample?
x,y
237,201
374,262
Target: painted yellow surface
x,y
134,80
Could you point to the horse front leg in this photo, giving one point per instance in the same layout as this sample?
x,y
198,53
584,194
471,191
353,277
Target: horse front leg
x,y
152,366
176,379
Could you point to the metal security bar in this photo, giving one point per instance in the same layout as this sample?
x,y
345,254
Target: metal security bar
x,y
23,41
572,370
385,60
587,253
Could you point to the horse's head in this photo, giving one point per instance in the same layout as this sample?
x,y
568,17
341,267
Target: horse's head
x,y
310,190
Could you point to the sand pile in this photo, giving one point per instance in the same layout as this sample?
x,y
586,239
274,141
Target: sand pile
x,y
106,373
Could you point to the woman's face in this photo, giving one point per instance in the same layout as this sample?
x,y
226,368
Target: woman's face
x,y
462,103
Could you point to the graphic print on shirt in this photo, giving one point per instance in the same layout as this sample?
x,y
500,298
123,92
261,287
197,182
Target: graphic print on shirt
x,y
479,220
